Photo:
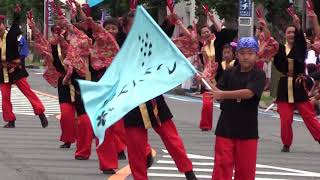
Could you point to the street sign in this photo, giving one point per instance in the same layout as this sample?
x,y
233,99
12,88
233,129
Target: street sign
x,y
50,14
245,8
244,21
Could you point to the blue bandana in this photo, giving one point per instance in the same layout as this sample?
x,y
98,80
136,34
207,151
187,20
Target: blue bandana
x,y
249,43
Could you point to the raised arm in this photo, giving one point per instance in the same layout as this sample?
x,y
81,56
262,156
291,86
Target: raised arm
x,y
41,44
269,47
215,22
16,17
173,19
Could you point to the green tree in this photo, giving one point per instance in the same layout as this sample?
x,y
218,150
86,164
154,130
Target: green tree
x,y
120,7
276,13
7,7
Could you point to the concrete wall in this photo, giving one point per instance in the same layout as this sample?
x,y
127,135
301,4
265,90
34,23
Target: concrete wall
x,y
186,10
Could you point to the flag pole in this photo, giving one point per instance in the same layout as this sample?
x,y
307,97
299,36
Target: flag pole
x,y
204,82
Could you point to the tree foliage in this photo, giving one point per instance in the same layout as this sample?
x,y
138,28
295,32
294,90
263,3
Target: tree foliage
x,y
275,12
7,7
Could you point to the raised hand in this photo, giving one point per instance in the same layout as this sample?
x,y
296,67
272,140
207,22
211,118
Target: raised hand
x,y
291,11
295,17
260,17
223,21
206,9
310,10
296,21
17,8
133,4
86,9
309,5
56,9
174,19
31,22
170,4
70,5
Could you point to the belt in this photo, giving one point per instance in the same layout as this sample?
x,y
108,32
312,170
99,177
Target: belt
x,y
290,80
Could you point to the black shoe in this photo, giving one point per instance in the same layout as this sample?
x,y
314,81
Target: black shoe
x,y
319,142
65,146
190,175
204,130
44,121
10,124
81,158
149,160
109,171
285,148
122,156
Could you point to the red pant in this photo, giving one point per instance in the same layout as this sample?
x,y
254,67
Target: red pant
x,y
206,113
306,110
137,141
119,133
106,152
238,155
67,123
25,88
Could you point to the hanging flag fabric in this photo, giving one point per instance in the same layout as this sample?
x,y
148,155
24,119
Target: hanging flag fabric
x,y
94,2
148,65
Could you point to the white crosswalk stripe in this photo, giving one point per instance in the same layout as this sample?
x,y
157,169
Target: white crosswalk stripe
x,y
203,165
22,106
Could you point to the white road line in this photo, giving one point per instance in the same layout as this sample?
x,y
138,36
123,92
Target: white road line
x,y
21,104
183,98
176,175
289,169
191,156
207,166
257,172
176,169
26,101
194,163
198,176
285,174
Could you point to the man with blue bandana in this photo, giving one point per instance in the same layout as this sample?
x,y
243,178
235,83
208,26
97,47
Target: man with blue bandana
x,y
239,91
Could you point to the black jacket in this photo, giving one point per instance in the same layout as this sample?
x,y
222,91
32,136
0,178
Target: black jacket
x,y
298,54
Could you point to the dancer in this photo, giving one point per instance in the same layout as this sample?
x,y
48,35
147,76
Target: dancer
x,y
13,72
293,86
239,90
